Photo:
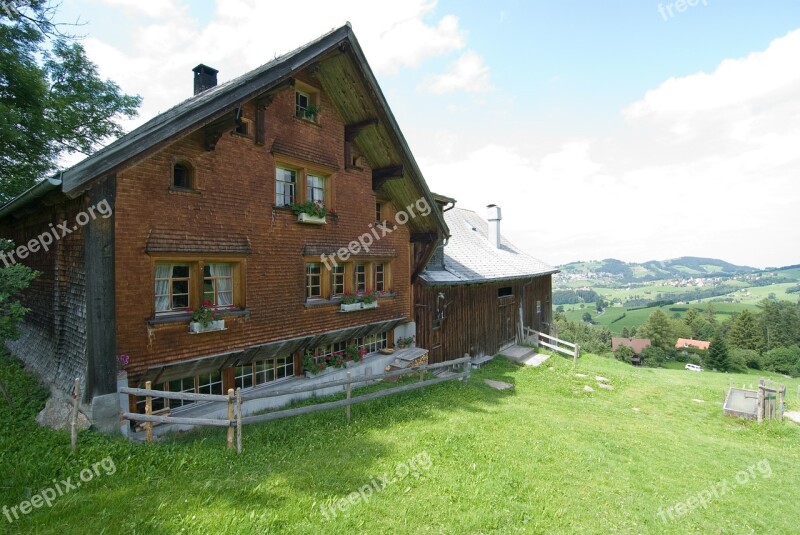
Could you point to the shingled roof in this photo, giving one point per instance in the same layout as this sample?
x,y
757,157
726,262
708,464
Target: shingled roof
x,y
470,258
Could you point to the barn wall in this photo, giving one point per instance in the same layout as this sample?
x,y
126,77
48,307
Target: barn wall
x,y
470,314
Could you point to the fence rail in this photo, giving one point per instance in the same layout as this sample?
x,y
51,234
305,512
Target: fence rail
x,y
556,344
235,400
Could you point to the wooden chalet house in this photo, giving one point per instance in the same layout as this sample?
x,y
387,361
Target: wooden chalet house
x,y
478,291
199,211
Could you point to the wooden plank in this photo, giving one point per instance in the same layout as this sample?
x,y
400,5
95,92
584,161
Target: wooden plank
x,y
76,394
136,417
231,400
99,257
559,349
148,409
342,403
239,421
558,340
185,396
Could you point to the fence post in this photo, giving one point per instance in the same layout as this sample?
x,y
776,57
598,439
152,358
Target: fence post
x,y
148,410
577,351
760,401
230,418
239,421
348,388
76,394
466,369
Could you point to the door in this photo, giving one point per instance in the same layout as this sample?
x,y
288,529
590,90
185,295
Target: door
x,y
506,327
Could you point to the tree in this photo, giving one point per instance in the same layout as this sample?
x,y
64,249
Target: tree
x,y
587,317
560,309
784,360
625,333
659,330
744,333
13,279
780,323
52,100
624,354
718,358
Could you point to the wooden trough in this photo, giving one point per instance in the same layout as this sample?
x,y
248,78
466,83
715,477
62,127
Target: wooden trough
x,y
760,404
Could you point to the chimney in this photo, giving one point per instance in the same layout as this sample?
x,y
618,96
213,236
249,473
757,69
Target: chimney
x,y
494,218
204,78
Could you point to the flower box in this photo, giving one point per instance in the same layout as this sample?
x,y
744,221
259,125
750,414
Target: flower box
x,y
311,219
374,304
326,371
350,307
195,327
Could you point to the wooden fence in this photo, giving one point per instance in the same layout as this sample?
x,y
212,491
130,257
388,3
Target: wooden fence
x,y
556,344
235,399
770,401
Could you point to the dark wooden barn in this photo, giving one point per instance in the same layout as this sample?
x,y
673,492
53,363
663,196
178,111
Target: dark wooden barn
x,y
478,290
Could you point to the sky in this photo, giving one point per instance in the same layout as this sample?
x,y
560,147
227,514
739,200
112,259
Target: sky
x,y
634,129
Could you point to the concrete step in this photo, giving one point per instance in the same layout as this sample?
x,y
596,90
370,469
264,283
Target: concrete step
x,y
526,356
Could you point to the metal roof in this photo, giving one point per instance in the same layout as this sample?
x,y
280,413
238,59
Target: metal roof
x,y
469,257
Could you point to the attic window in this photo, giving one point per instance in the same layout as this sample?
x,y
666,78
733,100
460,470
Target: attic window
x,y
505,291
306,104
183,175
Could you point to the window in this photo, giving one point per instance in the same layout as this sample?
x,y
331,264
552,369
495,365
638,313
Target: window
x,y
182,175
172,287
181,385
373,342
315,188
505,291
285,186
361,278
302,102
182,286
306,101
209,383
379,278
156,403
264,371
378,211
313,280
218,284
337,280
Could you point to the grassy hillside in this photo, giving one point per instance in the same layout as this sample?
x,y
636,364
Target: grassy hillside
x,y
546,457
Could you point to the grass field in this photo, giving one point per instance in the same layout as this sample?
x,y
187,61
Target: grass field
x,y
546,457
635,318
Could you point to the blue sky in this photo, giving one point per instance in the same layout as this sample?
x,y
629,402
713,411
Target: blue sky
x,y
604,129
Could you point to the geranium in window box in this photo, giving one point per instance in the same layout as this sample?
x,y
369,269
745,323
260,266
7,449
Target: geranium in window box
x,y
369,300
349,302
312,212
206,318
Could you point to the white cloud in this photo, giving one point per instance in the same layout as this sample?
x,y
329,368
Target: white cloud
x,y
467,73
244,34
708,168
149,8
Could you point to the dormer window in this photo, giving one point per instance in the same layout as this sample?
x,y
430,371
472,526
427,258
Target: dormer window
x,y
183,175
243,128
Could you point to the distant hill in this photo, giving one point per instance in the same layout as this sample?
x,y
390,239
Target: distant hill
x,y
683,267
